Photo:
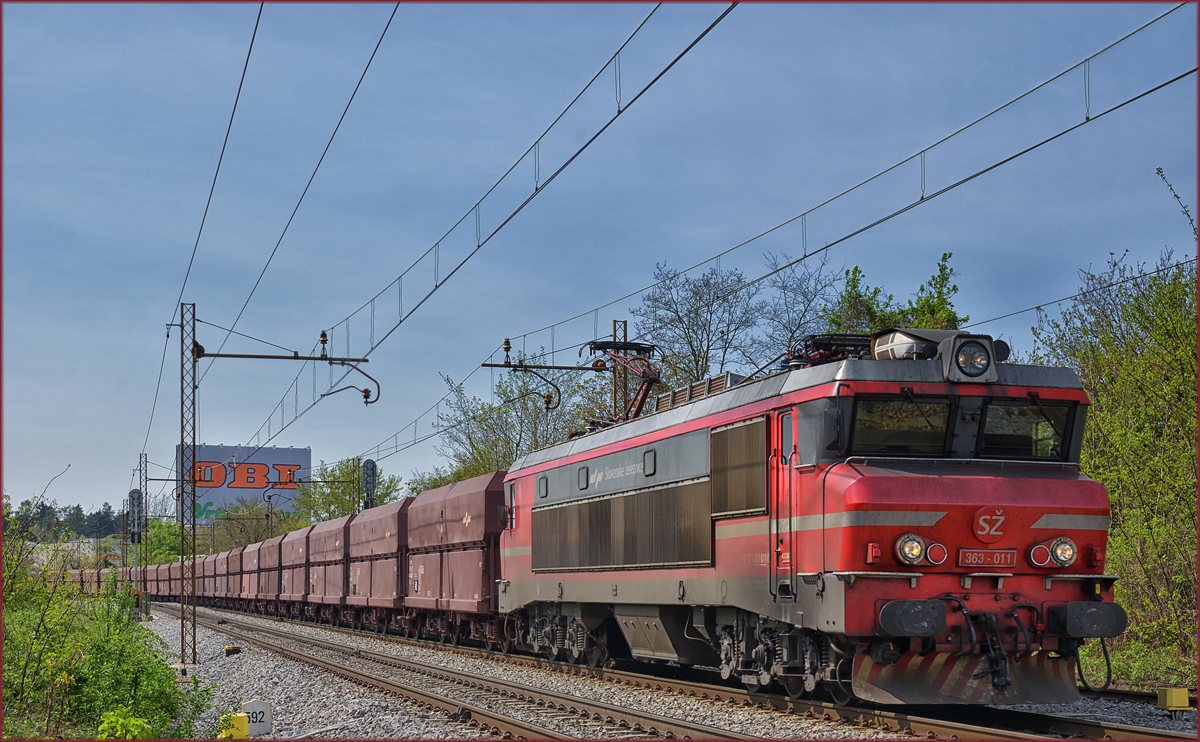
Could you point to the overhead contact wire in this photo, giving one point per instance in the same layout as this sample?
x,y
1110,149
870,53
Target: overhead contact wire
x,y
918,155
924,198
307,185
512,215
203,219
882,220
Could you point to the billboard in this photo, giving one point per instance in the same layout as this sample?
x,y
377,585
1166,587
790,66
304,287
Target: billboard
x,y
225,474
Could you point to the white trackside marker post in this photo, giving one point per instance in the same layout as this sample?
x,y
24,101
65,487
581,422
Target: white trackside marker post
x,y
259,716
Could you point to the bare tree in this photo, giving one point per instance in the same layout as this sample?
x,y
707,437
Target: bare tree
x,y
703,325
477,437
801,293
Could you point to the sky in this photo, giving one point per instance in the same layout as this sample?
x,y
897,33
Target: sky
x,y
114,117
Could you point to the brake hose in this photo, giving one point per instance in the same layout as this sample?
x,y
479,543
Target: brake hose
x,y
1037,614
1024,632
967,618
1107,668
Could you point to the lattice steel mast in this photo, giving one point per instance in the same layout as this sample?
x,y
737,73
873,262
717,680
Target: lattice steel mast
x,y
187,483
144,552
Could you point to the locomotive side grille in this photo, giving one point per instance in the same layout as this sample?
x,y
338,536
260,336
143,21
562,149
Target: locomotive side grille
x,y
659,527
739,468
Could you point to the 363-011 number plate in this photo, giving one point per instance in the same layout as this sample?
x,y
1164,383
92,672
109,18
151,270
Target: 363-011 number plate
x,y
987,557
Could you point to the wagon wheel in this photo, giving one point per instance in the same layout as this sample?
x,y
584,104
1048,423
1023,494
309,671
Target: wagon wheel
x,y
752,684
489,643
455,635
597,653
505,644
551,652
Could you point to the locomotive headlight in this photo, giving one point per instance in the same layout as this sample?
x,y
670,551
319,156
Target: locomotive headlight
x,y
1063,551
910,548
972,359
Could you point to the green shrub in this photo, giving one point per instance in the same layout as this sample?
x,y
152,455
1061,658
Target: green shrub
x,y
74,661
122,724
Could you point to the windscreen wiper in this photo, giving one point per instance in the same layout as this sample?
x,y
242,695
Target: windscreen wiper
x,y
908,392
1033,396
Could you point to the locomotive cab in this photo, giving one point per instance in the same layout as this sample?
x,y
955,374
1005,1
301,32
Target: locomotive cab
x,y
967,546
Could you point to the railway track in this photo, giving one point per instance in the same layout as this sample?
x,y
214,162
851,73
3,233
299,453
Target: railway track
x,y
1130,696
498,706
943,722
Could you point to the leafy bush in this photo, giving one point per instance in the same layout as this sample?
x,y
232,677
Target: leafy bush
x,y
122,724
1131,337
72,657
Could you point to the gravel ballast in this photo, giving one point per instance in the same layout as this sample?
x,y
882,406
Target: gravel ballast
x,y
1118,712
309,700
302,696
305,701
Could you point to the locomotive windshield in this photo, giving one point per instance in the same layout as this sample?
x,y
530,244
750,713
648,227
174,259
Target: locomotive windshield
x,y
1024,429
900,426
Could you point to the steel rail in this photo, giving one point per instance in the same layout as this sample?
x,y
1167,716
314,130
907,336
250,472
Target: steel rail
x,y
1130,696
941,722
458,711
644,723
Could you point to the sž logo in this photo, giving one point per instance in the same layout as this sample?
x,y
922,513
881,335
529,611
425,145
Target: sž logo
x,y
988,525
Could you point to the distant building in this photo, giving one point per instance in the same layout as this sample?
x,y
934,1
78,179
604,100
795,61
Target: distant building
x,y
43,553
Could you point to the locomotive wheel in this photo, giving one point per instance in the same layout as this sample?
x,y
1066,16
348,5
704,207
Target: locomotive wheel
x,y
794,687
840,695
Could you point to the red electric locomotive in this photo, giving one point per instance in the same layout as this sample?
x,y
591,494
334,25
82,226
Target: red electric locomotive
x,y
898,518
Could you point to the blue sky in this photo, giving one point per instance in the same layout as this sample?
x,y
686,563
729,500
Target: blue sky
x,y
114,116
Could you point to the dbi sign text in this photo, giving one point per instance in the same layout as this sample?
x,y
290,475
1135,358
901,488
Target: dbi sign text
x,y
245,476
240,476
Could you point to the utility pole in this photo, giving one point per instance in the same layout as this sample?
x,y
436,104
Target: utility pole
x,y
190,353
144,552
188,360
125,525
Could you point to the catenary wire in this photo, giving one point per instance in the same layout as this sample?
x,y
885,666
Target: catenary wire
x,y
520,207
870,179
407,444
843,193
945,190
530,149
846,237
203,219
307,186
929,197
1072,297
